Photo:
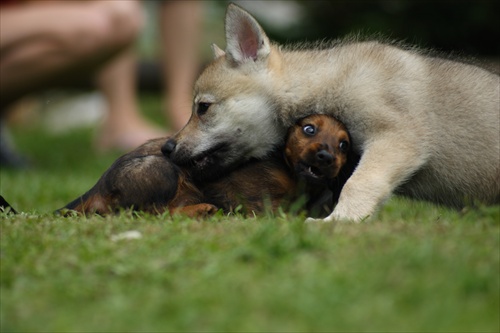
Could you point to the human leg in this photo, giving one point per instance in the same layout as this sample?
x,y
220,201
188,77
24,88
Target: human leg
x,y
124,128
45,44
180,27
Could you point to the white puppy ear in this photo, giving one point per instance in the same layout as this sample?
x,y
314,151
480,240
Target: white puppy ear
x,y
217,51
245,38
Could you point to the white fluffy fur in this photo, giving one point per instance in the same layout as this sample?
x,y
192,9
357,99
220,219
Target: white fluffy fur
x,y
425,127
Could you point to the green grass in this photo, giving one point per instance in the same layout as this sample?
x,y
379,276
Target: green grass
x,y
414,267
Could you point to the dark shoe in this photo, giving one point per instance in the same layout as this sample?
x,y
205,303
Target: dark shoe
x,y
9,158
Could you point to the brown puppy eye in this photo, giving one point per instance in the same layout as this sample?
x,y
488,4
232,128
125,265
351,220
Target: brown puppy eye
x,y
344,146
309,130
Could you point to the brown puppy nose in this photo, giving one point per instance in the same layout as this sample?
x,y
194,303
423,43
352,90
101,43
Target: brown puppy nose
x,y
169,147
324,157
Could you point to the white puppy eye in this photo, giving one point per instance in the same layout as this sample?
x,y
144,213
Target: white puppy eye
x,y
202,108
309,130
344,146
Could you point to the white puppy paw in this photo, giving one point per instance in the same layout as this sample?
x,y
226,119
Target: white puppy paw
x,y
313,220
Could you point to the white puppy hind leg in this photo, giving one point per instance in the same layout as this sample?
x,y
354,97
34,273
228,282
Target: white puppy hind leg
x,y
385,164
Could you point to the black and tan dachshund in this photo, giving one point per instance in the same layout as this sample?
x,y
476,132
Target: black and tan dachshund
x,y
315,161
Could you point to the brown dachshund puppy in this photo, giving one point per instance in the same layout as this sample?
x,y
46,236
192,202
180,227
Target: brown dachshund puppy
x,y
316,151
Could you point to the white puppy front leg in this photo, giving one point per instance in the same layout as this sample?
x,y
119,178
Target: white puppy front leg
x,y
385,164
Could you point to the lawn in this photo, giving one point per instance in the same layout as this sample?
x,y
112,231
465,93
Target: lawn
x,y
414,267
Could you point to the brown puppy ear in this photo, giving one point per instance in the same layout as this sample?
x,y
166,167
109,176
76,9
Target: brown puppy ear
x,y
245,38
287,152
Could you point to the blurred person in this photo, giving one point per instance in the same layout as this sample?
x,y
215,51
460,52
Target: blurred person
x,y
180,25
46,44
123,128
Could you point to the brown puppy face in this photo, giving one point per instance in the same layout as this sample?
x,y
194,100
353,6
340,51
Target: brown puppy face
x,y
317,147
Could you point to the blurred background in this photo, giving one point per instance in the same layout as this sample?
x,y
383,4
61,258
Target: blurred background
x,y
466,28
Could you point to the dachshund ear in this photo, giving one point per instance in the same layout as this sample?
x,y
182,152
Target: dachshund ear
x,y
287,150
287,153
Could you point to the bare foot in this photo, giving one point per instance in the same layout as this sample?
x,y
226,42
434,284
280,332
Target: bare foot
x,y
127,136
